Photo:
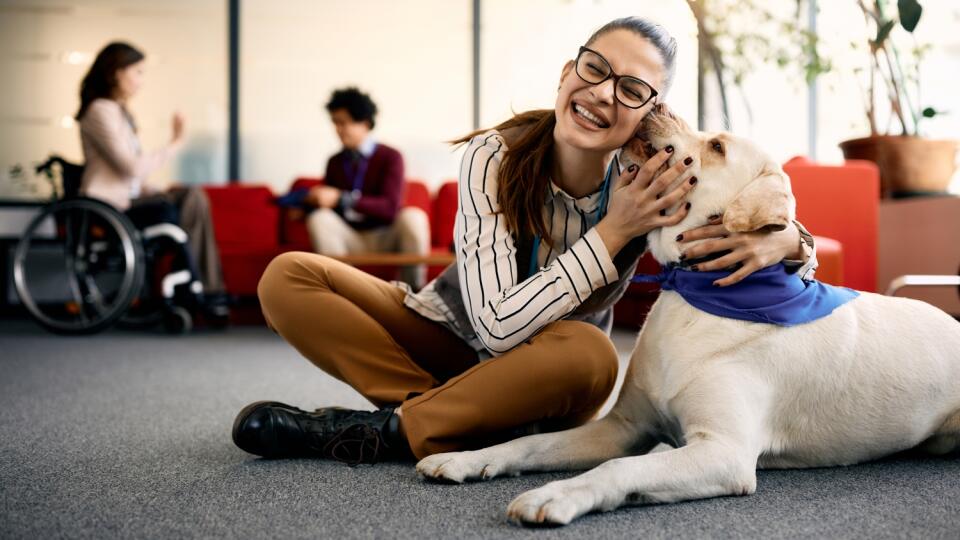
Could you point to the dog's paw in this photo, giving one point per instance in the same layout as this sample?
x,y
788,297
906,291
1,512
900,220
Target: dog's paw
x,y
552,504
456,467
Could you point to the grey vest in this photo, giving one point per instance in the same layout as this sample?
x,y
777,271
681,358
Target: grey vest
x,y
596,309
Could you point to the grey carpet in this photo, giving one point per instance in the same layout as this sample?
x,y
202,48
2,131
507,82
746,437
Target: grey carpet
x,y
128,435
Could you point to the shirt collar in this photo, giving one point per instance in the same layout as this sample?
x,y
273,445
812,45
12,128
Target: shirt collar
x,y
367,147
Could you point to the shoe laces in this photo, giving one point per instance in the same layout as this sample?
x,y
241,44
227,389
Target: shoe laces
x,y
353,445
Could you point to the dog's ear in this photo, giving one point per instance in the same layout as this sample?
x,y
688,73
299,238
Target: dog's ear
x,y
765,203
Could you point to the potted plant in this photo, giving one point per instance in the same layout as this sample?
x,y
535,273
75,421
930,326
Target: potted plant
x,y
909,163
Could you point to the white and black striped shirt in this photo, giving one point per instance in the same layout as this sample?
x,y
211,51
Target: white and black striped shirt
x,y
505,313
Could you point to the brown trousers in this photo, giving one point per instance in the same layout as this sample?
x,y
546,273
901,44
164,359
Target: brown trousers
x,y
355,327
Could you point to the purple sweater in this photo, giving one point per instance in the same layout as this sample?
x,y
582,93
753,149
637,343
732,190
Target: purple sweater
x,y
383,184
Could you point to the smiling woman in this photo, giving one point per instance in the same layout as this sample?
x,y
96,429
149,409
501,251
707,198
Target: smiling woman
x,y
513,337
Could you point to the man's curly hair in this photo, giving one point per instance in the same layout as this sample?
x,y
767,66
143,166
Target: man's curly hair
x,y
357,104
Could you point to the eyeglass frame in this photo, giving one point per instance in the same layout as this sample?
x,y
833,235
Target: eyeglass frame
x,y
616,78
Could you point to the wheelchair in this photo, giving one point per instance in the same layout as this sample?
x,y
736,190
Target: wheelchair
x,y
81,266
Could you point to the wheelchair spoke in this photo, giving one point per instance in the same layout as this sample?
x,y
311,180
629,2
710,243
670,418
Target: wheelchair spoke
x,y
95,296
70,253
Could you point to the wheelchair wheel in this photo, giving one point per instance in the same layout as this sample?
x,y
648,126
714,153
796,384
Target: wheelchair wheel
x,y
78,266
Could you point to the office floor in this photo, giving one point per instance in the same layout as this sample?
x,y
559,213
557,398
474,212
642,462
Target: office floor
x,y
128,435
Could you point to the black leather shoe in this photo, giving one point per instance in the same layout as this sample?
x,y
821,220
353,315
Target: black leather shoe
x,y
276,430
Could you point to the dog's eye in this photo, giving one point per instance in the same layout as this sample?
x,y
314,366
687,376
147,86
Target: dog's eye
x,y
717,147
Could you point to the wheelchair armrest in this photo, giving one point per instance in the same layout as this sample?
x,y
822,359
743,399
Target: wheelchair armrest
x,y
165,229
921,280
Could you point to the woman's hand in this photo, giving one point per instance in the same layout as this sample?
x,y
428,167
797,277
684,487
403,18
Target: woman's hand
x,y
179,127
750,251
638,203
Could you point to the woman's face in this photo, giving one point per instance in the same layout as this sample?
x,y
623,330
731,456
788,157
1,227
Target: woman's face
x,y
628,54
129,80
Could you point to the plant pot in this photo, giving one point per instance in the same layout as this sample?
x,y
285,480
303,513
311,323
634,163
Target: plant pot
x,y
907,164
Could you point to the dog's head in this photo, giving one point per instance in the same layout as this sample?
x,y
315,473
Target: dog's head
x,y
735,178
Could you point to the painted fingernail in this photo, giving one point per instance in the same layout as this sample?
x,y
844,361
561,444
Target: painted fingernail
x,y
714,217
716,284
693,180
669,149
632,168
663,212
688,161
683,256
679,237
659,194
688,206
694,268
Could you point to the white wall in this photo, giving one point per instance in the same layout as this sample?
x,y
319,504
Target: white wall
x,y
414,58
46,46
525,45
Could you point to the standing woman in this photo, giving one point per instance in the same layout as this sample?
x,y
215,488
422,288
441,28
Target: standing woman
x,y
514,336
117,169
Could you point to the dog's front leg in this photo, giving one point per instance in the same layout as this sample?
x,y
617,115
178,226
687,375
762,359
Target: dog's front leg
x,y
703,468
722,428
574,449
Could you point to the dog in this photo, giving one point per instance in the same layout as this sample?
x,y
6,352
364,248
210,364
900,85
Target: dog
x,y
875,376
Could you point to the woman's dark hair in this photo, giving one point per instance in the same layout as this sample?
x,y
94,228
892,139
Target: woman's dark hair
x,y
357,104
100,81
525,170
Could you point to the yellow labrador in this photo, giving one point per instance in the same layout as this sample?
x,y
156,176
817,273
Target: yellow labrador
x,y
876,376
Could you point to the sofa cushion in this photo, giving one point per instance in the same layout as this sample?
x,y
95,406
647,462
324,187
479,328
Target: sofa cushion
x,y
243,215
444,215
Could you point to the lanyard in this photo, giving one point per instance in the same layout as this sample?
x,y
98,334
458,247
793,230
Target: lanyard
x,y
358,173
604,196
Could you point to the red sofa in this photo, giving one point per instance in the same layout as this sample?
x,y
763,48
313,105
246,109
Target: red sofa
x,y
838,203
251,230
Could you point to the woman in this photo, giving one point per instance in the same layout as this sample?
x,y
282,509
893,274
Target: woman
x,y
117,169
512,338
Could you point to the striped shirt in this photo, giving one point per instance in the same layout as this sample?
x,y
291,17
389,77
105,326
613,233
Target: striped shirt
x,y
503,311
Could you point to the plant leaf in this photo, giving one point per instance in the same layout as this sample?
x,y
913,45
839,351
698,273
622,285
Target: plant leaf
x,y
910,11
883,31
929,112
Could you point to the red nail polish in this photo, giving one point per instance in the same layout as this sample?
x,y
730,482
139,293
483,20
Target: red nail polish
x,y
688,206
679,237
688,161
694,268
663,212
669,149
693,180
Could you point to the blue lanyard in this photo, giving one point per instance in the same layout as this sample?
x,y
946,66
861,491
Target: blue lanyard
x,y
358,173
604,196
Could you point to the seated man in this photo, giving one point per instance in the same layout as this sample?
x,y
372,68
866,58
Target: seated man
x,y
358,208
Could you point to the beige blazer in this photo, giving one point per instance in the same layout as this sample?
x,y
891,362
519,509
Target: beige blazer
x,y
116,167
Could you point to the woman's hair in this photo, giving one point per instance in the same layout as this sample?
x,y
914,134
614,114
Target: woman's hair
x,y
357,104
525,170
101,80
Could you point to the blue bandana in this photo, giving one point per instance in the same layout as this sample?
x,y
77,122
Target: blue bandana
x,y
770,295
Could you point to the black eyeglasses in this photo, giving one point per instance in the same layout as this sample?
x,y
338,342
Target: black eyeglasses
x,y
632,92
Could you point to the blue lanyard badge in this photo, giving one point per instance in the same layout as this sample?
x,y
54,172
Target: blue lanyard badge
x,y
604,198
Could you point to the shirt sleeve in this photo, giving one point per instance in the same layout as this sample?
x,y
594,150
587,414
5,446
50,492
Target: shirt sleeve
x,y
504,312
806,270
103,125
